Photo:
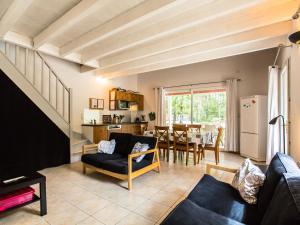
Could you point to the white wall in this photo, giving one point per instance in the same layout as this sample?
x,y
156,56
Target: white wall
x,y
293,55
85,86
251,68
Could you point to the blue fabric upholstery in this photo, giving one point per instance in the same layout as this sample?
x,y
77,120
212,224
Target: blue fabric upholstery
x,y
188,213
280,164
223,199
96,159
122,142
284,208
121,165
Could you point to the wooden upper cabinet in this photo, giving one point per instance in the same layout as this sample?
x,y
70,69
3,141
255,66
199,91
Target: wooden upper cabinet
x,y
115,95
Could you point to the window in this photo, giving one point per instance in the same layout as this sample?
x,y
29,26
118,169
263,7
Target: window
x,y
198,106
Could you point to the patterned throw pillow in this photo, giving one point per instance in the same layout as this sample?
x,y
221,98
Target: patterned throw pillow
x,y
247,180
107,147
139,147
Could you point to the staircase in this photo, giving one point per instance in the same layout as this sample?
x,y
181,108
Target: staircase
x,y
32,74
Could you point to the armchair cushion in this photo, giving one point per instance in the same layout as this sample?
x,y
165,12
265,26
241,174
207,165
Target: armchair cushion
x,y
223,199
96,159
280,164
151,141
287,194
188,213
122,143
121,165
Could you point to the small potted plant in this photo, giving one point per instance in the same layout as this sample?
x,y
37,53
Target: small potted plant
x,y
152,116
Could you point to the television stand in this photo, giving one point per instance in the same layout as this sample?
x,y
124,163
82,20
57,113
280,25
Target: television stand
x,y
35,178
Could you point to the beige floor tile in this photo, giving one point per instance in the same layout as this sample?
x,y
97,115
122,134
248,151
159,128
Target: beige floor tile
x,y
89,221
135,219
152,210
93,205
111,214
166,198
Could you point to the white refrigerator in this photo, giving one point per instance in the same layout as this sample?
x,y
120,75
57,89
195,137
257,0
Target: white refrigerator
x,y
253,127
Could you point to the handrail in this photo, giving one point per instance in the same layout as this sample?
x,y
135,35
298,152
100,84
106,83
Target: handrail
x,y
52,88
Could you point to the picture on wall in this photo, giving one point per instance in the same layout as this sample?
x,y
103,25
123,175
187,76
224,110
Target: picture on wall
x,y
96,103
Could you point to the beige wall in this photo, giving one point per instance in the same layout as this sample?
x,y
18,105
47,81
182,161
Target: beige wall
x,y
84,86
251,68
293,56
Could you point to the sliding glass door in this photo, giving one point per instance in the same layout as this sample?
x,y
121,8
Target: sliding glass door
x,y
195,106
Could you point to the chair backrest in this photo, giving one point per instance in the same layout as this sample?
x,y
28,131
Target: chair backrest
x,y
180,135
196,128
178,125
219,137
162,133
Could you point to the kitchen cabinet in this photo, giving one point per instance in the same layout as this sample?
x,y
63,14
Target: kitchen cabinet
x,y
116,95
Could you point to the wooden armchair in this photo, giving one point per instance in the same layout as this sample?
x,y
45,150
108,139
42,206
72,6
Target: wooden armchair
x,y
131,174
211,147
163,140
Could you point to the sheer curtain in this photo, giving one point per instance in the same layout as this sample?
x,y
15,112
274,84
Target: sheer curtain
x,y
159,106
231,132
273,111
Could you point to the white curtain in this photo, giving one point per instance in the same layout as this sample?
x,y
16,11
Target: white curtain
x,y
273,111
159,106
231,131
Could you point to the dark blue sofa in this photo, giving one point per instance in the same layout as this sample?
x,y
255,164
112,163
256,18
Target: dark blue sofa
x,y
120,164
213,202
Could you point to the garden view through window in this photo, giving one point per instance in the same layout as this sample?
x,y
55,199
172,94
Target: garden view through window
x,y
207,107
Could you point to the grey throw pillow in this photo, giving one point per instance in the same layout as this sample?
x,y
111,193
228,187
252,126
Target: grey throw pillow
x,y
247,180
139,147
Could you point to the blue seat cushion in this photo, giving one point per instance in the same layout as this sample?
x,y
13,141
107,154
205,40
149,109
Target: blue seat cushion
x,y
284,208
223,199
279,164
96,159
122,143
121,165
188,213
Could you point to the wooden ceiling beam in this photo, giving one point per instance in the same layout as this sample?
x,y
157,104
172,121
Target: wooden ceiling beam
x,y
266,32
237,22
214,54
13,14
185,21
125,20
69,19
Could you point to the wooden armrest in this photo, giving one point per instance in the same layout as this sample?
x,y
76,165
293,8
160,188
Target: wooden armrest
x,y
130,156
217,167
90,147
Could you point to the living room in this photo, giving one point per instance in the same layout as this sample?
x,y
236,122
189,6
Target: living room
x,y
149,112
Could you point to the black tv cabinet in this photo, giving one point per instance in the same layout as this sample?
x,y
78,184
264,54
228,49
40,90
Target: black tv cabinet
x,y
35,178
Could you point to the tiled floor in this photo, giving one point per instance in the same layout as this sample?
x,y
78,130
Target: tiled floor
x,y
93,199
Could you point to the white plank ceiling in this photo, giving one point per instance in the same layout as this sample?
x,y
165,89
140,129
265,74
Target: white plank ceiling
x,y
120,38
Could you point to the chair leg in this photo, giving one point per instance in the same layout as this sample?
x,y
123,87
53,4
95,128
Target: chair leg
x,y
168,154
84,169
195,156
158,160
187,157
129,184
175,155
216,157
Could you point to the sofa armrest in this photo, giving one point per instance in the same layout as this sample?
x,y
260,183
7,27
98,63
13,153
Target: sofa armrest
x,y
130,156
90,147
217,167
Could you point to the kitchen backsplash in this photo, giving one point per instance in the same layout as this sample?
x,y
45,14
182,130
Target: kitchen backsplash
x,y
92,114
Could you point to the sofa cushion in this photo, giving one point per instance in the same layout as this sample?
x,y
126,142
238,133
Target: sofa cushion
x,y
280,164
223,199
188,213
121,165
151,141
284,208
96,159
122,142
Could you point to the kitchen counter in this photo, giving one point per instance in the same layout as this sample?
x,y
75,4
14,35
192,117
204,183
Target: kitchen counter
x,y
107,124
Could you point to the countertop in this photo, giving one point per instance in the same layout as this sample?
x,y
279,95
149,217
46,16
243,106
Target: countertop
x,y
107,124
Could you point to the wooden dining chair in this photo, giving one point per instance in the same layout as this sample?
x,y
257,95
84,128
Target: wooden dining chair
x,y
196,128
212,147
162,134
181,143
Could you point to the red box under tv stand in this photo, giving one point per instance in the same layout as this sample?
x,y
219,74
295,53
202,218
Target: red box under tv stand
x,y
35,178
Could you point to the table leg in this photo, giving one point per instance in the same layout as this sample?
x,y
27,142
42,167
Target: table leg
x,y
43,198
